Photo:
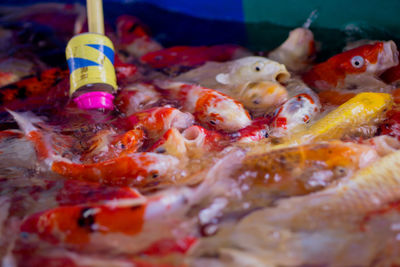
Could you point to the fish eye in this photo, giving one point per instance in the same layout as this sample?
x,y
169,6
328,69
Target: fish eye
x,y
357,62
258,66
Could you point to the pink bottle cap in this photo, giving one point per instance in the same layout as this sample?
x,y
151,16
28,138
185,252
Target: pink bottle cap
x,y
95,100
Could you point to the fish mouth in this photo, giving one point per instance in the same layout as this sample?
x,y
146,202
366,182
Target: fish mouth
x,y
388,58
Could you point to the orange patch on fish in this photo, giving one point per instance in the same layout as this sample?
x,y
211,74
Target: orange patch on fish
x,y
75,224
335,69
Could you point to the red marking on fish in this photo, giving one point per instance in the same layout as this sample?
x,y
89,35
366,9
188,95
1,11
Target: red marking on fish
x,y
256,131
281,122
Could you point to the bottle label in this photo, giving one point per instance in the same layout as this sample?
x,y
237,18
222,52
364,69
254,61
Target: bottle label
x,y
90,60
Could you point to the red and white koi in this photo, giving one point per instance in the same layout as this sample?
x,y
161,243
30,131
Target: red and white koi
x,y
355,68
257,130
156,121
107,144
300,109
297,52
208,106
135,97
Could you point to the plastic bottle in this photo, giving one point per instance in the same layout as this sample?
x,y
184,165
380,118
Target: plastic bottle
x,y
90,58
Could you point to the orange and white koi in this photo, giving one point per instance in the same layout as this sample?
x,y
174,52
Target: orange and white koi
x,y
126,169
355,68
107,144
208,106
136,219
134,37
298,50
135,97
277,172
156,121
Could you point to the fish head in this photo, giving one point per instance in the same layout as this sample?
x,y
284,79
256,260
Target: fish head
x,y
369,59
343,159
297,51
263,95
221,112
171,143
253,69
298,110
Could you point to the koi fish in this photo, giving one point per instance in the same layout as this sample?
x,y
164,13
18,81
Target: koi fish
x,y
134,37
183,57
363,110
135,97
299,110
135,217
125,169
106,144
355,68
296,229
156,121
297,52
236,72
258,97
208,140
383,144
370,188
14,69
34,86
193,142
171,143
257,130
214,109
303,169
